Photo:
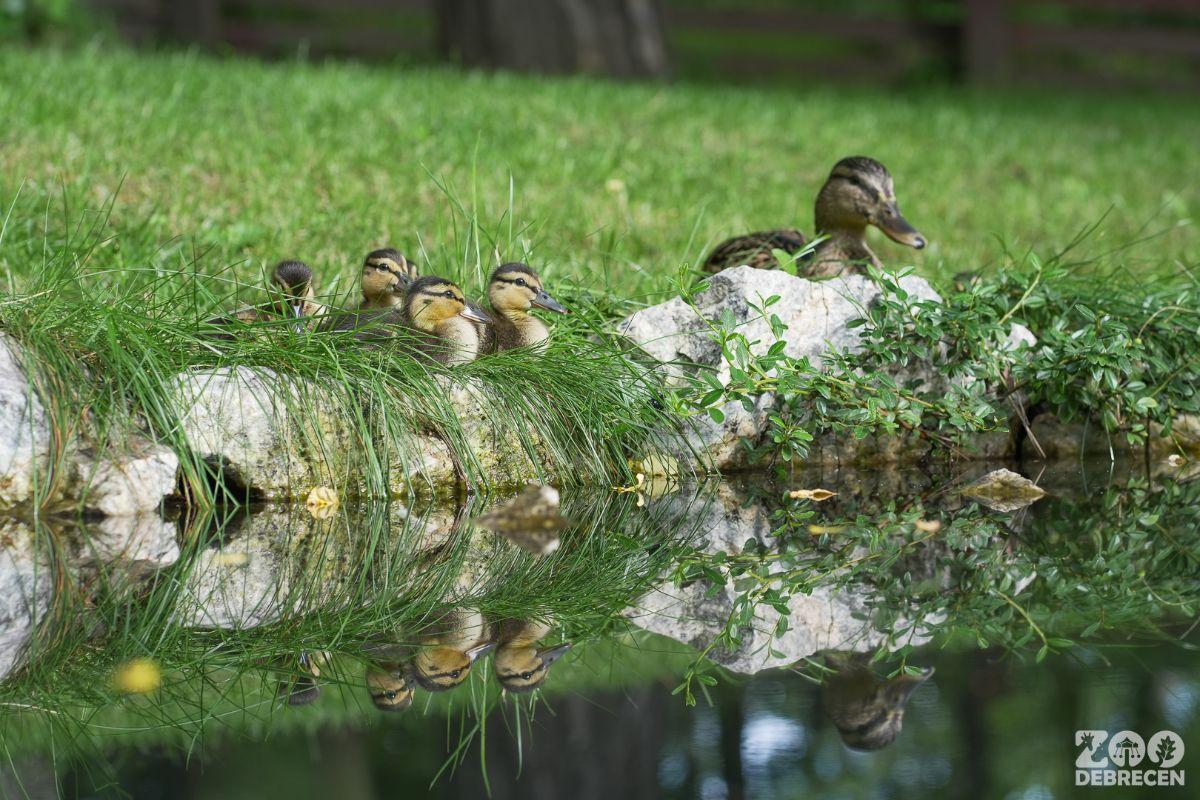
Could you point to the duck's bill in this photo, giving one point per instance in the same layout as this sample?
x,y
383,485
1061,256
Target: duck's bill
x,y
551,654
478,651
904,685
475,315
545,301
898,229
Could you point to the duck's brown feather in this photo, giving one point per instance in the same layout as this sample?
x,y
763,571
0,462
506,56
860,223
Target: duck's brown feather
x,y
754,249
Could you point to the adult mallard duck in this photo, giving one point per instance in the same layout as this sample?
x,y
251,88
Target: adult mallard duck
x,y
513,290
867,710
857,193
293,297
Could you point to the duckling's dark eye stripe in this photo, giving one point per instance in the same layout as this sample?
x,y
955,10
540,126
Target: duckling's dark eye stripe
x,y
514,281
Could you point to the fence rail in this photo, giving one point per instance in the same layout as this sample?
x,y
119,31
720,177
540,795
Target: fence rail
x,y
1079,42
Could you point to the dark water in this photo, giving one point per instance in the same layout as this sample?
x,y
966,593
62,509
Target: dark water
x,y
1117,547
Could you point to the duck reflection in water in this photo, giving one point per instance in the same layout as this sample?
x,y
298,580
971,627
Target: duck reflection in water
x,y
867,710
520,665
449,648
299,687
389,685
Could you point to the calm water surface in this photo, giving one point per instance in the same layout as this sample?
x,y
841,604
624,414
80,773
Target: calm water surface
x,y
274,637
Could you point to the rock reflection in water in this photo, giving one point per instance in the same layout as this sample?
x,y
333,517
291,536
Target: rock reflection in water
x,y
828,618
117,551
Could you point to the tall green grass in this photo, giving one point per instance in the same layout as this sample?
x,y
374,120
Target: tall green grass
x,y
105,343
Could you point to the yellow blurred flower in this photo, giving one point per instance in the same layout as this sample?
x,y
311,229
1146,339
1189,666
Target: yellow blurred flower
x,y
139,676
322,502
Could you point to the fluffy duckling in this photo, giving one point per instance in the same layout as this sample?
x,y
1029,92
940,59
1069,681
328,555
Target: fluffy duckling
x,y
293,297
858,193
386,276
519,664
867,711
513,290
435,314
388,685
436,309
447,654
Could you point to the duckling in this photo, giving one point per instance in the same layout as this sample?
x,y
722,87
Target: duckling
x,y
448,652
513,290
388,685
437,308
302,689
519,665
386,276
867,711
857,193
293,298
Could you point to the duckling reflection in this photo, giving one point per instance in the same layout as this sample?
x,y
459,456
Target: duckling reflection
x,y
450,648
389,686
300,687
530,520
867,711
519,664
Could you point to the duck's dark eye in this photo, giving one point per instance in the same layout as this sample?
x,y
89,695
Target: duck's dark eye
x,y
390,695
526,675
521,282
456,673
449,294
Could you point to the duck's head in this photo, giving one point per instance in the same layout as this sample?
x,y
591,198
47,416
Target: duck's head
x,y
523,669
868,712
440,668
389,687
859,193
431,300
293,283
515,288
386,276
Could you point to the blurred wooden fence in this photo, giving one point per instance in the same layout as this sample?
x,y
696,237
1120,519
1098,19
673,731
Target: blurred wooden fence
x,y
1102,43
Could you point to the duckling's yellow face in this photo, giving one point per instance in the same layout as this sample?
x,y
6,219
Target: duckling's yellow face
x,y
859,192
518,289
388,687
442,668
523,669
431,304
385,279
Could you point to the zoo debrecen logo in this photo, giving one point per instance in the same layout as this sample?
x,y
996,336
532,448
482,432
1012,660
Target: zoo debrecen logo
x,y
1117,759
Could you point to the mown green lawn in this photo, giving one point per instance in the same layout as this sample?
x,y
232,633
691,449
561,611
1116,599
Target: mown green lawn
x,y
614,186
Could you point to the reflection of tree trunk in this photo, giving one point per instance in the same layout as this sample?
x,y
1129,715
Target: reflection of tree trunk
x,y
730,710
977,689
622,38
